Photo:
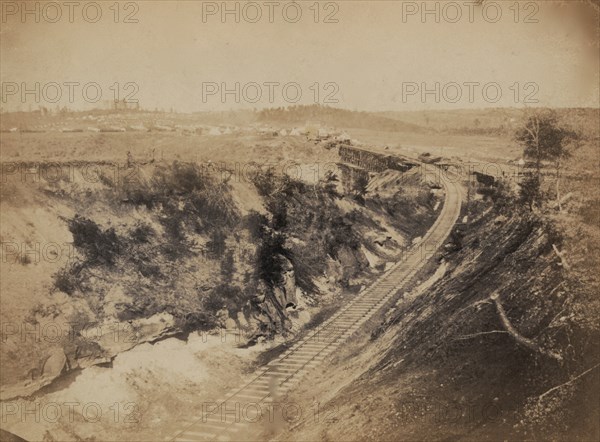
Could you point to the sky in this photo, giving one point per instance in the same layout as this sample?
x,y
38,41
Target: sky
x,y
360,55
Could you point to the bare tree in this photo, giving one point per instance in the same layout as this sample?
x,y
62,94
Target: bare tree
x,y
544,138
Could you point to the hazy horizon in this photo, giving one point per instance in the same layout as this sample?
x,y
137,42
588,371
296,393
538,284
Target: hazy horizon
x,y
382,111
174,53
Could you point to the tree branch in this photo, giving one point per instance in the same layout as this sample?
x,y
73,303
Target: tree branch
x,y
563,261
568,382
474,335
475,304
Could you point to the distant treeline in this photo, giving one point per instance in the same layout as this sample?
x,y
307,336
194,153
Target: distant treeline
x,y
482,131
493,121
335,117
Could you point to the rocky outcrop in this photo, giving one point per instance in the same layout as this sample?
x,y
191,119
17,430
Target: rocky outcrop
x,y
269,312
353,261
286,293
49,368
92,345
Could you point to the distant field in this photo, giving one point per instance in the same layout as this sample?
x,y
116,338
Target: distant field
x,y
169,146
505,120
482,135
464,146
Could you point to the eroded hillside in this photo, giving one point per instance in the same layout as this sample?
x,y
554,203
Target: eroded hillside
x,y
496,340
165,248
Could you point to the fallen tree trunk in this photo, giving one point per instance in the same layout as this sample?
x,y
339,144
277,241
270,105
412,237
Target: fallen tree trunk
x,y
512,331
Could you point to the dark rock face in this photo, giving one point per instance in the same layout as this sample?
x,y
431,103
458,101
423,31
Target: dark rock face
x,y
275,301
353,261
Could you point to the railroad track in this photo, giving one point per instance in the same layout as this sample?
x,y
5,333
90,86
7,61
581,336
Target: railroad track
x,y
232,417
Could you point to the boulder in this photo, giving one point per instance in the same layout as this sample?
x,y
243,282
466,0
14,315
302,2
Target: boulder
x,y
54,364
51,368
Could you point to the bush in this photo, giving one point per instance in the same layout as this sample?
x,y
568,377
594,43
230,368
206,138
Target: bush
x,y
269,258
228,265
99,247
530,192
65,281
255,223
216,245
265,183
360,187
142,233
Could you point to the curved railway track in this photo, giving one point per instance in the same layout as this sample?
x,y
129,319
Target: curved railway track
x,y
230,418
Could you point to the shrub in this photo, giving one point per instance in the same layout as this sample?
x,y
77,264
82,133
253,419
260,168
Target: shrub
x,y
65,281
269,262
227,265
99,247
216,244
265,183
530,192
255,223
142,233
